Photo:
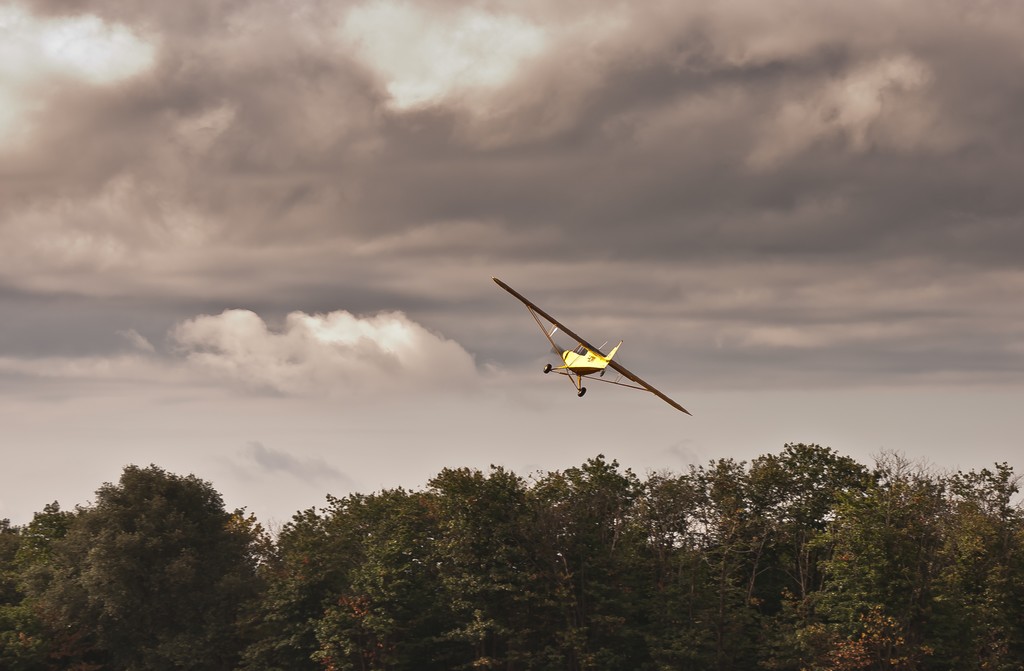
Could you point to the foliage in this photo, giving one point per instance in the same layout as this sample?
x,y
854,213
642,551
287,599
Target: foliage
x,y
155,575
802,559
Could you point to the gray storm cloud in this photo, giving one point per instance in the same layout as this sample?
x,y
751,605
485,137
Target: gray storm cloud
x,y
668,157
277,461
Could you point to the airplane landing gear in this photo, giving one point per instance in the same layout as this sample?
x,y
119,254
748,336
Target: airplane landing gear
x,y
547,368
583,390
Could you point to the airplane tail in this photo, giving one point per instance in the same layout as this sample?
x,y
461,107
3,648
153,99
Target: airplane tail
x,y
614,350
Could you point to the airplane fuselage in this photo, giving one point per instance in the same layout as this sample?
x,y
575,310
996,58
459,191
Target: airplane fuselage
x,y
583,364
581,361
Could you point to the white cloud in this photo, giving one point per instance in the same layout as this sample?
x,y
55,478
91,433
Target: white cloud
x,y
326,353
88,48
333,354
38,54
849,107
425,56
119,367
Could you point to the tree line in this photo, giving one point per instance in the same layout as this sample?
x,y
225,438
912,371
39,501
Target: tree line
x,y
803,559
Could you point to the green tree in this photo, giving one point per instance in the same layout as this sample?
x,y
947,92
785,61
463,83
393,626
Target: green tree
x,y
10,542
796,493
392,612
20,646
678,575
732,544
26,641
593,541
793,497
308,568
979,606
156,575
880,585
502,581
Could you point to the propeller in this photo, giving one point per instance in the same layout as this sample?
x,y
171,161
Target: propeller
x,y
555,347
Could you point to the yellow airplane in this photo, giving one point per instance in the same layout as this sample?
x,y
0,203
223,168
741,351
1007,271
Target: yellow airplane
x,y
584,359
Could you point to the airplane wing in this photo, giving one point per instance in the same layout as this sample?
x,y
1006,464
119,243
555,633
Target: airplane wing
x,y
625,372
525,301
613,364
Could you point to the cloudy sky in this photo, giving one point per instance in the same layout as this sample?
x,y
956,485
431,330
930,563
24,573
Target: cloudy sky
x,y
254,240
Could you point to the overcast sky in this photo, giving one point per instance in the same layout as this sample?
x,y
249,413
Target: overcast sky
x,y
254,240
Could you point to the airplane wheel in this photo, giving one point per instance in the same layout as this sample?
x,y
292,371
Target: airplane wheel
x,y
547,368
583,390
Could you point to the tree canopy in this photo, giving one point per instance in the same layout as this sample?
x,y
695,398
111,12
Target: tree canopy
x,y
801,559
